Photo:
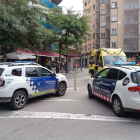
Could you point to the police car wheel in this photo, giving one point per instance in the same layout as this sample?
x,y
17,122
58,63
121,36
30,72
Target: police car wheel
x,y
61,89
90,95
19,100
118,107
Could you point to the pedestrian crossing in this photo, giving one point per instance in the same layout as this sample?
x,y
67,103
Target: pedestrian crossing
x,y
66,116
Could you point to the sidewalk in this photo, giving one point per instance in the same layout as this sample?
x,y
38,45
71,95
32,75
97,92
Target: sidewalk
x,y
73,71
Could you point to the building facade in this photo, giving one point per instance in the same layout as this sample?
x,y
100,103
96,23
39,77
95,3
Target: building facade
x,y
114,24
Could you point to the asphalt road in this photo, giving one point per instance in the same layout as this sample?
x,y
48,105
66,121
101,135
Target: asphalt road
x,y
71,117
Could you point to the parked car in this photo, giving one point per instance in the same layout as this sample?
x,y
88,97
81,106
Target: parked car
x,y
119,86
21,81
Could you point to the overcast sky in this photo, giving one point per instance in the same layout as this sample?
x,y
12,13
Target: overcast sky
x,y
76,4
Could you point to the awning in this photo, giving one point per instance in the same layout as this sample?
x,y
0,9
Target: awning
x,y
42,53
49,54
18,55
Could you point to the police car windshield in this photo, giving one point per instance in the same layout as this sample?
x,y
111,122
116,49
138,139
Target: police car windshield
x,y
110,60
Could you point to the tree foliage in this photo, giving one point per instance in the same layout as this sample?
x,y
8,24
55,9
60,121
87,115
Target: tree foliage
x,y
20,26
69,29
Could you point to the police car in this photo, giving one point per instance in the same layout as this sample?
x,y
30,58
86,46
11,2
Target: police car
x,y
119,85
21,81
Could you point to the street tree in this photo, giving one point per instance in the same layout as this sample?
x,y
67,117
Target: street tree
x,y
20,26
69,29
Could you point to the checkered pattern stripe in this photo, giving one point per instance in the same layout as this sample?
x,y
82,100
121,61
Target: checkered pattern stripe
x,y
32,85
102,97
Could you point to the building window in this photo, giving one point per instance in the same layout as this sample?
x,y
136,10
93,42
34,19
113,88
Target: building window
x,y
93,45
93,26
85,4
90,28
93,6
114,18
93,16
89,37
85,47
114,31
89,46
88,1
89,9
103,12
102,46
103,1
102,35
114,45
114,4
103,24
93,35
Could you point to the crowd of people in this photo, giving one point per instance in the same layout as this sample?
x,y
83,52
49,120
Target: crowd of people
x,y
62,66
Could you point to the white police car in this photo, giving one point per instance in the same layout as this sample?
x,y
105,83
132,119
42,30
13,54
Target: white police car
x,y
118,85
21,81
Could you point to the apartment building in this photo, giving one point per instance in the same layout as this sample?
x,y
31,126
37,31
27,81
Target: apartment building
x,y
114,24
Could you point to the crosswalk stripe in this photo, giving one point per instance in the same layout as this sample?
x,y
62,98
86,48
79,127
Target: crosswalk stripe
x,y
69,116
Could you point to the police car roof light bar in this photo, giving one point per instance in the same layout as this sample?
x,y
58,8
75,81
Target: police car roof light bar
x,y
124,63
32,62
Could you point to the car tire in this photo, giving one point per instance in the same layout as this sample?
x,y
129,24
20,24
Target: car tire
x,y
19,100
61,89
118,107
90,95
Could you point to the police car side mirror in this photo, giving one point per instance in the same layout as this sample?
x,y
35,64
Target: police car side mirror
x,y
53,74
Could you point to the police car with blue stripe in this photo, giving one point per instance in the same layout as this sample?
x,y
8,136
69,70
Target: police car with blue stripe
x,y
20,81
119,85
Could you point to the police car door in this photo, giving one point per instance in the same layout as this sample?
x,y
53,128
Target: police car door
x,y
97,82
49,81
33,81
109,83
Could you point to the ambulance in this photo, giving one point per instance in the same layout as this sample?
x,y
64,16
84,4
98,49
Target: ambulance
x,y
106,57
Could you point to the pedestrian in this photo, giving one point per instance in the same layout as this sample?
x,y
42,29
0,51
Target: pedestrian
x,y
138,64
62,67
73,65
57,65
48,65
92,68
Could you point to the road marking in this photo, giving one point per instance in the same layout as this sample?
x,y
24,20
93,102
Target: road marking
x,y
67,116
59,100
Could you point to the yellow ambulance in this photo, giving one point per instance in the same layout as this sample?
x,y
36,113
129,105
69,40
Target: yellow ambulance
x,y
106,57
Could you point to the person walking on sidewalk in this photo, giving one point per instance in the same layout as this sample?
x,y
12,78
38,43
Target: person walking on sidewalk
x,y
57,65
48,65
92,68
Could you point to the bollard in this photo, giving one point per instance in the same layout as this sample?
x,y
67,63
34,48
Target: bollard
x,y
75,77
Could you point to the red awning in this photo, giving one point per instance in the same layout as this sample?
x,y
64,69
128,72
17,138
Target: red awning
x,y
49,54
27,51
41,53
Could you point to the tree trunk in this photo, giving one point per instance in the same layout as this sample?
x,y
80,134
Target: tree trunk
x,y
4,54
60,47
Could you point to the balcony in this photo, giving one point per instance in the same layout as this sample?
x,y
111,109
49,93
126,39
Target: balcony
x,y
131,6
107,1
130,21
98,8
107,26
50,4
130,36
97,19
97,31
98,41
107,39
